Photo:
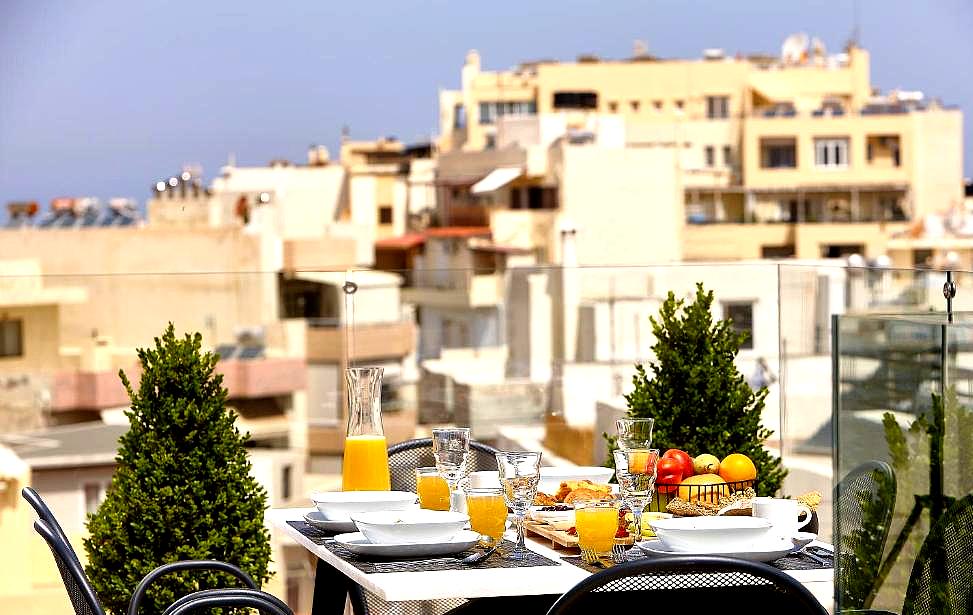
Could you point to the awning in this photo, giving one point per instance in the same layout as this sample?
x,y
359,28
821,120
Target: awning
x,y
364,278
497,178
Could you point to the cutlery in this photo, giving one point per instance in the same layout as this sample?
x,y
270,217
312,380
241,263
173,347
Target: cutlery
x,y
476,558
814,557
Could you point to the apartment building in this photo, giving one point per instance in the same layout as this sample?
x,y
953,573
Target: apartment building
x,y
795,156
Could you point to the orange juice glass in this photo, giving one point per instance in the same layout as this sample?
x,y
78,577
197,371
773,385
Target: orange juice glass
x,y
366,460
488,512
432,489
596,523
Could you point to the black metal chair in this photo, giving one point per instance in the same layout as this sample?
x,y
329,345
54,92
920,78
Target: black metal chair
x,y
405,457
942,576
85,602
689,583
863,504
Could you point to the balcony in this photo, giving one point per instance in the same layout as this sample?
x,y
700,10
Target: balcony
x,y
74,390
326,341
450,289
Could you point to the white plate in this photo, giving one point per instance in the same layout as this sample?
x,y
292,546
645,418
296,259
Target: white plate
x,y
357,543
766,552
316,519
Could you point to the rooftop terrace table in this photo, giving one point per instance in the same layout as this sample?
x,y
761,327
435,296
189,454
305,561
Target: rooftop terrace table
x,y
472,582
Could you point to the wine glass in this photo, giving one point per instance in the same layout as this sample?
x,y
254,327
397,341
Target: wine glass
x,y
451,448
634,433
519,475
636,472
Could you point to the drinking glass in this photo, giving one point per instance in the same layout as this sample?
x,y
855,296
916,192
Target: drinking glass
x,y
636,472
488,511
451,448
596,522
519,475
432,489
634,433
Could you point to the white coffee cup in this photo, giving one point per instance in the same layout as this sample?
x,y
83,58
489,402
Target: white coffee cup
x,y
783,514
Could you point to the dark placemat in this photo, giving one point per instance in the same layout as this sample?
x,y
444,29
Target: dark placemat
x,y
794,561
417,564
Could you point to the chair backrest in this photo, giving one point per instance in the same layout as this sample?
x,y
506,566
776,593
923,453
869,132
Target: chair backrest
x,y
863,504
405,457
44,514
689,583
942,576
79,589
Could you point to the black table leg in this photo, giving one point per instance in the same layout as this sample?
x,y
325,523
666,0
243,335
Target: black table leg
x,y
331,588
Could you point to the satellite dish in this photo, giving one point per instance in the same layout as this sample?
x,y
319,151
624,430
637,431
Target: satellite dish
x,y
794,49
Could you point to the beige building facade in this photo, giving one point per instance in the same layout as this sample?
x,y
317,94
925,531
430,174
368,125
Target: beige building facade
x,y
794,156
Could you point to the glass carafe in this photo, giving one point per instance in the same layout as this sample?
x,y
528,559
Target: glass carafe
x,y
366,460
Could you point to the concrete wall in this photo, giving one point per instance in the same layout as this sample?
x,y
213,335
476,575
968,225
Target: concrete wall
x,y
626,204
133,308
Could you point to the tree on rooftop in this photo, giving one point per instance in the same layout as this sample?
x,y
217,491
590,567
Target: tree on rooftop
x,y
700,402
182,488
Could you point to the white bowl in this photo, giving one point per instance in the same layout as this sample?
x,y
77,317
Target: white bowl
x,y
410,526
484,478
711,533
340,505
552,477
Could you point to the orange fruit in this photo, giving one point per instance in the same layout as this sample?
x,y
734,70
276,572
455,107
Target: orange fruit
x,y
737,467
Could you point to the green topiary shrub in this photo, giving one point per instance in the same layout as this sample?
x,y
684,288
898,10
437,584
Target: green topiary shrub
x,y
182,489
700,402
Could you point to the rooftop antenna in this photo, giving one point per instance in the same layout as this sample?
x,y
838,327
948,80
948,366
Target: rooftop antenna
x,y
231,159
855,25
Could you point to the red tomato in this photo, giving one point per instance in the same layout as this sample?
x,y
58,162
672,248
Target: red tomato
x,y
669,475
685,461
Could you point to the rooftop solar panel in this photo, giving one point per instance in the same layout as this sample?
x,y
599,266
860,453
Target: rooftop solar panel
x,y
251,352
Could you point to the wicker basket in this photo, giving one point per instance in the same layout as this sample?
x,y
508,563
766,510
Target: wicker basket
x,y
705,493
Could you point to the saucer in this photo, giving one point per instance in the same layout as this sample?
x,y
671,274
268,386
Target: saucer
x,y
358,544
316,520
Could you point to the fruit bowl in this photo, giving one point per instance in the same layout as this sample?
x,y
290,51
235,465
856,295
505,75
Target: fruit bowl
x,y
665,492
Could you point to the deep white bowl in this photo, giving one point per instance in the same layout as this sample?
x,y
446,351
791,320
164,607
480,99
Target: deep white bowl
x,y
552,477
340,505
409,526
693,534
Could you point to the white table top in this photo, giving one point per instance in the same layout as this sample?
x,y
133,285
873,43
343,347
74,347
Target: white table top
x,y
488,582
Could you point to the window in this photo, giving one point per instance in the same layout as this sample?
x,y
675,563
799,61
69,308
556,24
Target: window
x,y
613,106
883,150
709,153
679,106
740,315
891,209
94,495
491,110
831,153
385,214
491,142
634,104
286,476
727,156
841,250
778,153
657,104
781,251
575,100
459,116
11,337
717,107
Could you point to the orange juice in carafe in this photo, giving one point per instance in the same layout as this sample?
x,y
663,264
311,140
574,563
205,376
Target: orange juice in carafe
x,y
366,462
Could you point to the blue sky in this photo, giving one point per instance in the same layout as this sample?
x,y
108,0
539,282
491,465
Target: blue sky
x,y
104,97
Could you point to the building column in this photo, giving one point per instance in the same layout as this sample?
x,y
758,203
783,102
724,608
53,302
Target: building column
x,y
749,206
855,205
720,206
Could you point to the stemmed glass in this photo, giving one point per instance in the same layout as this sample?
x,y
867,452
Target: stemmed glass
x,y
634,433
451,448
636,472
519,475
